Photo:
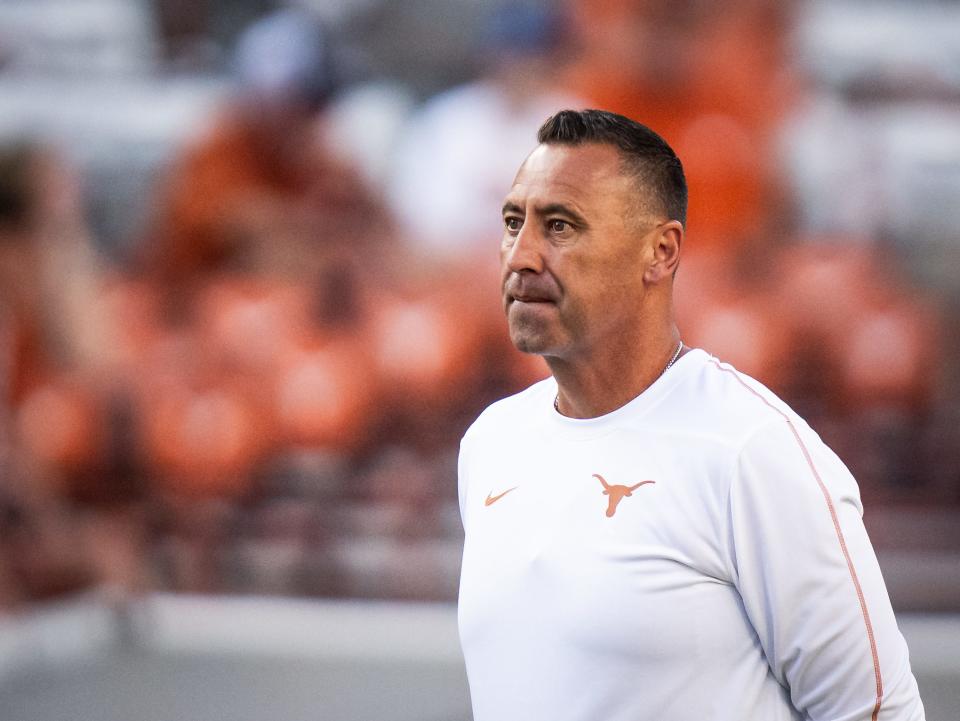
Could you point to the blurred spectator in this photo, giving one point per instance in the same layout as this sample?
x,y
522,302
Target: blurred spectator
x,y
260,190
53,334
460,151
56,429
48,269
251,313
713,79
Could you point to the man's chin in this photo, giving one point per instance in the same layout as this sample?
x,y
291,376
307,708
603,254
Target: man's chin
x,y
534,327
525,346
528,342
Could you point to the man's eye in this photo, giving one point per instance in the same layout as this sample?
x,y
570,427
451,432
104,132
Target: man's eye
x,y
558,226
512,224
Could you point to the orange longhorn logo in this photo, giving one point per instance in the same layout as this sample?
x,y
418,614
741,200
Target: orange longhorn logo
x,y
617,493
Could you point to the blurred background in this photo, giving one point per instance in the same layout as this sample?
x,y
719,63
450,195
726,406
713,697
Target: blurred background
x,y
248,306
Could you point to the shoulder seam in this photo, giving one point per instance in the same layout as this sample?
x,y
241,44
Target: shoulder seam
x,y
776,415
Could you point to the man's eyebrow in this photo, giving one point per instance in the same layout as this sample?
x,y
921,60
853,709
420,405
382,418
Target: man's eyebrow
x,y
561,209
549,209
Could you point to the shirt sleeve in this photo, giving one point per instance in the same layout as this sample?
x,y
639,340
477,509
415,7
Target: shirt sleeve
x,y
810,582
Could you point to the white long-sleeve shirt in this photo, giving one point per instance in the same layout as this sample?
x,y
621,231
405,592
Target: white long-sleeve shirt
x,y
697,554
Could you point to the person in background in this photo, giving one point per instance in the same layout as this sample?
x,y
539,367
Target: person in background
x,y
259,190
462,147
60,486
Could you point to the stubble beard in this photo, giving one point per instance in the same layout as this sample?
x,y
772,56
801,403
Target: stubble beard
x,y
531,335
528,344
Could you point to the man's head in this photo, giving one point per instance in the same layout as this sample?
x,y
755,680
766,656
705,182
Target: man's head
x,y
592,231
661,185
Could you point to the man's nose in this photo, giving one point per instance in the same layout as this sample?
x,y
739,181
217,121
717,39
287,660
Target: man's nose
x,y
524,252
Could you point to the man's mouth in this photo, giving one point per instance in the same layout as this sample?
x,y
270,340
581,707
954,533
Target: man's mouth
x,y
532,299
529,291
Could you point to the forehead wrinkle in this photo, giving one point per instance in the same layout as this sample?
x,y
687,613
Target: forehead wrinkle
x,y
545,200
560,175
560,209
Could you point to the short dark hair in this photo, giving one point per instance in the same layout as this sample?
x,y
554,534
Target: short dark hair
x,y
645,154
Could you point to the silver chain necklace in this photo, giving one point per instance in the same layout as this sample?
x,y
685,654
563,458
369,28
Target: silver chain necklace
x,y
676,354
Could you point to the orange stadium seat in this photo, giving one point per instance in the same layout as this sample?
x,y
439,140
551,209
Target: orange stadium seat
x,y
325,394
60,424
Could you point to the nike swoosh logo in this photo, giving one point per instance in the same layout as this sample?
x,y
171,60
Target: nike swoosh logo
x,y
493,499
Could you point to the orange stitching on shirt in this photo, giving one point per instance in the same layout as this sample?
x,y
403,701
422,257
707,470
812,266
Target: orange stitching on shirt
x,y
839,531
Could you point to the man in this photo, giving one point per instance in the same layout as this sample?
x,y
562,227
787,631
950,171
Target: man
x,y
650,534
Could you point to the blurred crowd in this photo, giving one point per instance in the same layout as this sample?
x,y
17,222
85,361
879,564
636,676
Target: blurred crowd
x,y
265,390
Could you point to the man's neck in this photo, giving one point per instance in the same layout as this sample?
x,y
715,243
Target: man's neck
x,y
596,385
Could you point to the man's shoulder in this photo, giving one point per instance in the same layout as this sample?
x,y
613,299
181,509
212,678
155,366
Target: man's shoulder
x,y
732,404
517,409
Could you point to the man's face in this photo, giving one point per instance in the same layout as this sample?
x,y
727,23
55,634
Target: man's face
x,y
573,252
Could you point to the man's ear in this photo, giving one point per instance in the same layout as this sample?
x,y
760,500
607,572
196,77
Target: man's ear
x,y
666,252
